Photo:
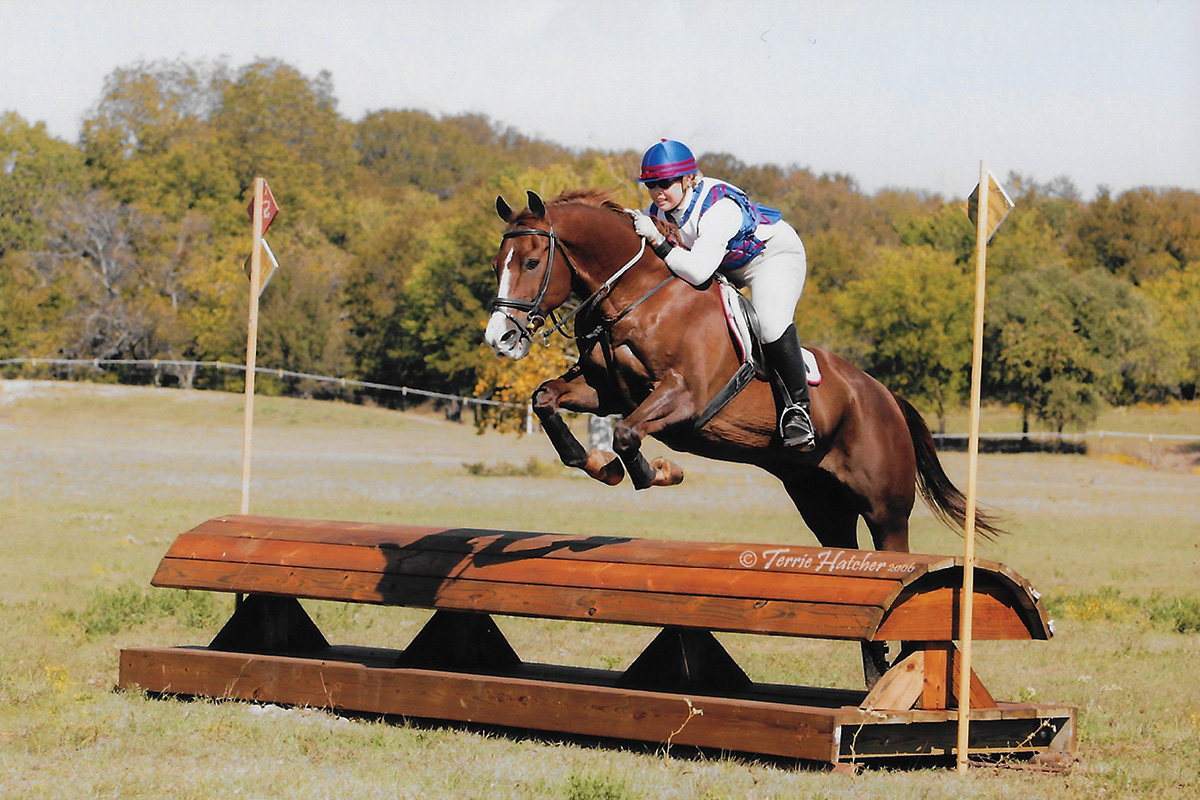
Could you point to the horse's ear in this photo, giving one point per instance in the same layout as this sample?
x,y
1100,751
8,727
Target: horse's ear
x,y
503,210
536,205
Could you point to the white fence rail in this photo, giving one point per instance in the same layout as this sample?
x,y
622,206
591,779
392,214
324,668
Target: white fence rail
x,y
159,363
405,391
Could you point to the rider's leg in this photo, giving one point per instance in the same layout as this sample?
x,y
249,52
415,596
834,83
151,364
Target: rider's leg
x,y
786,361
776,280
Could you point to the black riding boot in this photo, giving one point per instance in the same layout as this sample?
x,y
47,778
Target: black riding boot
x,y
786,361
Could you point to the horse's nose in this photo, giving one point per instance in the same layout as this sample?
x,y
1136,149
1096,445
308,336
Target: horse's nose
x,y
508,336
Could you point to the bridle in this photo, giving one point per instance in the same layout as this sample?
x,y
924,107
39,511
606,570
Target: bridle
x,y
536,315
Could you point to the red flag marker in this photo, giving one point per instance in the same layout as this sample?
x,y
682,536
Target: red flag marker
x,y
269,210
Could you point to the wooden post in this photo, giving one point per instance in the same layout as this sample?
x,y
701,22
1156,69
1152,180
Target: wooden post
x,y
982,225
252,339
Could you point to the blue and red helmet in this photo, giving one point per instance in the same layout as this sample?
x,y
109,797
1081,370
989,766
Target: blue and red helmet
x,y
667,159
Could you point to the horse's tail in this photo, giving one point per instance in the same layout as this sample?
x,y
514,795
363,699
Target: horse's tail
x,y
934,485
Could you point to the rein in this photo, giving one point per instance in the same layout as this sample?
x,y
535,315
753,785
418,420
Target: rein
x,y
598,296
536,316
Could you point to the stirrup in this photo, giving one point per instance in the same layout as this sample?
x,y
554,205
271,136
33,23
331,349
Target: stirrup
x,y
796,428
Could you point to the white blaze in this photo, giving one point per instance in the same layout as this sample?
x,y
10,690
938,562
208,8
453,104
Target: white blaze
x,y
502,334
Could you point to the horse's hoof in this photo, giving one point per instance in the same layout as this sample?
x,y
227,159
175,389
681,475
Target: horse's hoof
x,y
604,467
666,473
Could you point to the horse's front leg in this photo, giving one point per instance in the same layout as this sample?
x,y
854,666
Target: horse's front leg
x,y
572,393
668,404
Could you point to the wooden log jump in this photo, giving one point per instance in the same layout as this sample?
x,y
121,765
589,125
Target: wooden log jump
x,y
683,689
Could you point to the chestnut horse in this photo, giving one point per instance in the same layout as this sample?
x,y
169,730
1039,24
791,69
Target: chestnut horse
x,y
656,350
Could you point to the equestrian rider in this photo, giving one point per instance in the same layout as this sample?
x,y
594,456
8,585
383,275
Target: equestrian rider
x,y
722,230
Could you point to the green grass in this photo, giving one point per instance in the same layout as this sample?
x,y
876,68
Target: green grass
x,y
127,606
95,483
1181,614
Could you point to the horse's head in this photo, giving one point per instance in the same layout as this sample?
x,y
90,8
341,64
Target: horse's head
x,y
532,282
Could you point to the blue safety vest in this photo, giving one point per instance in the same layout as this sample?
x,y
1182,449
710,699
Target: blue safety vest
x,y
744,245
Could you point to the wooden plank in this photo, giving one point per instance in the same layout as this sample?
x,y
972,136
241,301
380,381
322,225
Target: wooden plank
x,y
822,620
559,704
900,687
903,567
942,685
932,615
602,563
936,689
545,571
738,725
717,555
979,698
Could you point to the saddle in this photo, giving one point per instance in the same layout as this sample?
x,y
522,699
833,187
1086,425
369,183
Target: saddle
x,y
747,336
744,330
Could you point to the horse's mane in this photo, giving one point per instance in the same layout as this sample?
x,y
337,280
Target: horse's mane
x,y
597,198
602,198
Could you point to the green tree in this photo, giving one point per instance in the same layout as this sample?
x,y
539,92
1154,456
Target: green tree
x,y
616,173
1040,231
841,228
216,293
276,123
947,229
387,246
1061,343
300,327
36,171
1176,298
1140,236
411,148
31,309
447,296
150,141
909,325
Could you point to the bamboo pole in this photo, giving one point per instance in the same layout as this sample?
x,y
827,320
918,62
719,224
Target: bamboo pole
x,y
252,339
967,601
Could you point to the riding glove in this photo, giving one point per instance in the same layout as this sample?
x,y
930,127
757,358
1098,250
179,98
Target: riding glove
x,y
646,229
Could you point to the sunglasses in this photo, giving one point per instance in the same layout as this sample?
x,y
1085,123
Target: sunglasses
x,y
662,185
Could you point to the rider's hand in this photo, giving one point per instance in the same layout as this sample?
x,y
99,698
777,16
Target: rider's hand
x,y
646,229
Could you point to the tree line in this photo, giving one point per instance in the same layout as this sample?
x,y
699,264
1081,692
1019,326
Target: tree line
x,y
129,243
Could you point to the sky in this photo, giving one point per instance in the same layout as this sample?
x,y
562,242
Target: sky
x,y
908,94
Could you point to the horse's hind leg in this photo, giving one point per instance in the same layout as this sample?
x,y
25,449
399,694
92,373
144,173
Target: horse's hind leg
x,y
830,511
570,391
826,507
889,532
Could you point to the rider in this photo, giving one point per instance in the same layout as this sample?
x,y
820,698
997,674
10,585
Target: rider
x,y
751,245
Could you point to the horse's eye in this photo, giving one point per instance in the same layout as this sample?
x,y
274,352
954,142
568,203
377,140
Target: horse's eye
x,y
531,263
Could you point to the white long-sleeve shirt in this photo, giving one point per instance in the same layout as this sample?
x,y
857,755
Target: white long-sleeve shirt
x,y
706,233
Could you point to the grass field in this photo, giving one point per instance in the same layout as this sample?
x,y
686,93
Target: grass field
x,y
95,482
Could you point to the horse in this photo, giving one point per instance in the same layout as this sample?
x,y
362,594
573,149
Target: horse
x,y
656,350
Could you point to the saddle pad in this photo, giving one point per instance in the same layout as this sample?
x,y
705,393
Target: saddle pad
x,y
739,329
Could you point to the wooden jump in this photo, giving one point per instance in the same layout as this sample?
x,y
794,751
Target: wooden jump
x,y
683,689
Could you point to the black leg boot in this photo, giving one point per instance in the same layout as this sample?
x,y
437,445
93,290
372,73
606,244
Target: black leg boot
x,y
786,361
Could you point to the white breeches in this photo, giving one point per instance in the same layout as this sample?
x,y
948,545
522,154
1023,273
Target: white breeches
x,y
776,281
